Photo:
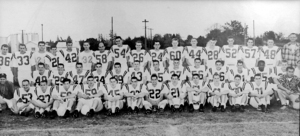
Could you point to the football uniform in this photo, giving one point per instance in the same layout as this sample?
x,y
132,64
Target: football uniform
x,y
161,74
121,77
58,78
135,91
157,55
244,73
196,97
155,96
38,77
93,91
55,60
263,88
250,56
6,62
212,56
24,63
277,72
264,74
117,91
223,72
243,88
201,71
216,100
195,52
171,54
43,97
70,58
140,74
42,57
177,92
25,96
231,55
102,78
181,72
87,59
121,55
79,78
142,56
270,55
104,58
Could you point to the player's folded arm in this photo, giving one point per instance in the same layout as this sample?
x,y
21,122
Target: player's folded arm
x,y
39,104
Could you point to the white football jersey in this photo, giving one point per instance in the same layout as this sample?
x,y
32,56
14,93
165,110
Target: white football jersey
x,y
231,55
259,89
264,74
242,87
135,90
178,53
117,91
42,57
38,77
161,74
200,85
140,74
23,61
244,73
91,91
176,90
156,92
270,55
79,78
44,97
277,72
216,88
70,58
121,77
181,72
6,62
157,55
55,60
142,56
212,56
102,77
58,78
61,92
223,72
24,95
250,55
201,71
104,58
87,59
195,52
121,54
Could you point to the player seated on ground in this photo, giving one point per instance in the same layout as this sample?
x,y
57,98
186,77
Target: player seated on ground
x,y
199,69
79,76
42,99
64,99
289,89
6,89
196,93
20,103
238,94
221,70
157,94
134,95
113,95
89,98
41,74
177,93
260,93
217,93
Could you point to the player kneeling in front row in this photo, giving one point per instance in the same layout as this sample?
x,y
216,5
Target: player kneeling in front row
x,y
89,98
217,93
135,95
64,99
196,93
238,94
156,98
260,93
177,93
20,103
113,95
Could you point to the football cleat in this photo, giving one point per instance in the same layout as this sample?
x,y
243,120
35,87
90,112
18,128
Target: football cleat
x,y
191,108
90,113
75,114
117,110
109,112
233,108
45,114
36,115
136,110
263,108
53,114
201,109
148,111
181,108
173,109
223,108
214,109
67,114
242,108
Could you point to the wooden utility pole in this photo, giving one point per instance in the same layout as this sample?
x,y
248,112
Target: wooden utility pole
x,y
22,37
145,21
42,33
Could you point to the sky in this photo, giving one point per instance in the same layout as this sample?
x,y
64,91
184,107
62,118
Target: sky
x,y
84,19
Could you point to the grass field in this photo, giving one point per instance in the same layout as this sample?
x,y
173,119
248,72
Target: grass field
x,y
252,122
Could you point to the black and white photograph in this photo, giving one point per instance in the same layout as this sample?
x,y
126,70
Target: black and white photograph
x,y
149,68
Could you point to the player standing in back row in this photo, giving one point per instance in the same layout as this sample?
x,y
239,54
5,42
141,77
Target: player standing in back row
x,y
270,54
121,53
250,54
140,55
194,52
212,53
87,57
6,62
174,52
232,53
70,55
104,57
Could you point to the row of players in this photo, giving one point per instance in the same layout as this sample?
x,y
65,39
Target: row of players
x,y
21,62
89,98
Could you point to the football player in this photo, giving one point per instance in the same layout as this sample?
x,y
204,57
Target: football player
x,y
231,52
42,55
176,68
138,72
198,69
89,100
280,70
56,58
217,93
134,95
42,99
157,70
99,75
20,103
41,74
212,52
221,70
156,97
196,93
6,63
140,55
121,53
79,76
265,72
86,57
70,55
194,52
238,93
157,54
174,52
60,75
24,64
260,93
113,95
250,54
104,57
176,93
270,54
64,99
119,73
239,70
